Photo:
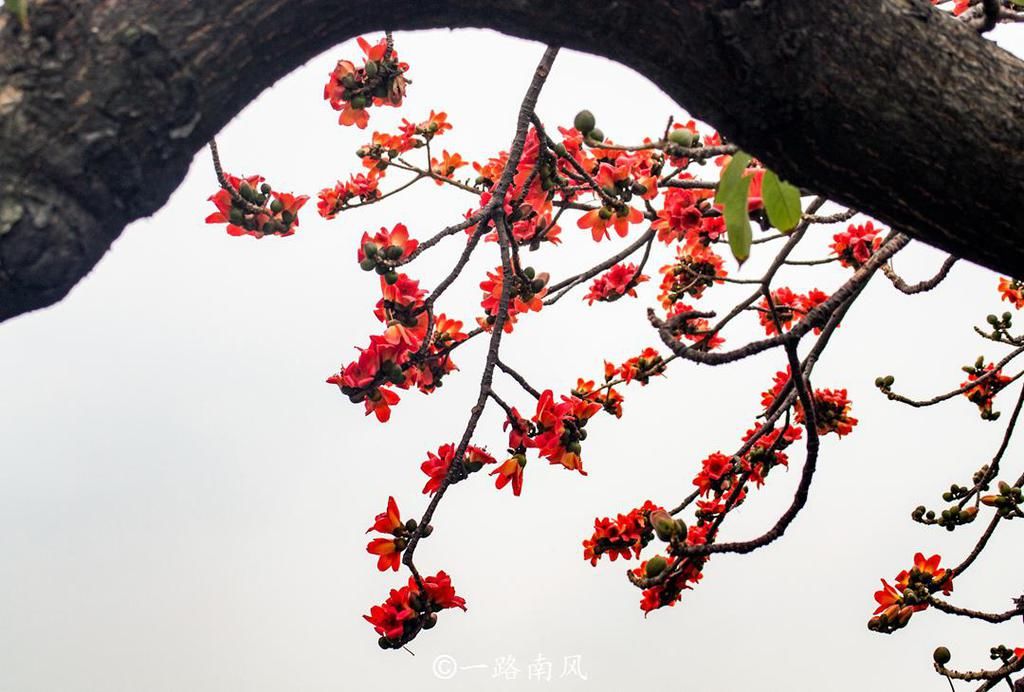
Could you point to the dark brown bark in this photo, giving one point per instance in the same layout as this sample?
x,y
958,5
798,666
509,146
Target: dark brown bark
x,y
886,105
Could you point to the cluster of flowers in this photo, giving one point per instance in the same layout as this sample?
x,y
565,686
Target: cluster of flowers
x,y
438,466
640,368
663,579
255,209
620,280
722,479
411,608
413,351
377,156
525,295
389,550
538,180
831,406
677,573
911,593
625,536
990,380
697,267
856,244
380,81
683,218
787,307
722,483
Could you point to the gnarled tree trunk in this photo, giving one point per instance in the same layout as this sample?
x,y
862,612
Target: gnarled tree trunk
x,y
886,105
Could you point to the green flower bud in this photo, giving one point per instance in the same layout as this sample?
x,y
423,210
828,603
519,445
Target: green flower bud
x,y
682,137
584,121
655,566
664,525
941,655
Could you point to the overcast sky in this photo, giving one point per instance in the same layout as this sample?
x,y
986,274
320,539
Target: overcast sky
x,y
183,498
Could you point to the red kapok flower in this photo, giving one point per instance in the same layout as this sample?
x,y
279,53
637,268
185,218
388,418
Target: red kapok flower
x,y
436,467
389,520
408,610
856,244
598,221
620,280
625,536
832,412
983,393
511,471
260,212
1012,290
446,167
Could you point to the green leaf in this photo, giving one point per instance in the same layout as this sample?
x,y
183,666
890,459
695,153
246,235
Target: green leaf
x,y
733,192
781,202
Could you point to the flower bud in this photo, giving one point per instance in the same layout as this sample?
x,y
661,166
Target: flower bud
x,y
682,137
584,121
664,525
941,655
655,566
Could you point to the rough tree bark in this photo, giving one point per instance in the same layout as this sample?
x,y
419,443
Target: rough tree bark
x,y
886,105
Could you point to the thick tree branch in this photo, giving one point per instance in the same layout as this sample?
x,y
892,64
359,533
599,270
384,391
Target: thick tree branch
x,y
890,107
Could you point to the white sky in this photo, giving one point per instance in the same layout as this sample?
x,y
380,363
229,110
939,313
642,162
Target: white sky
x,y
183,499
